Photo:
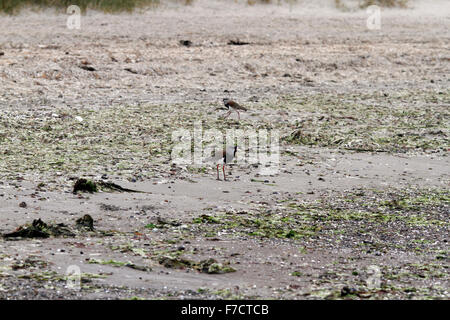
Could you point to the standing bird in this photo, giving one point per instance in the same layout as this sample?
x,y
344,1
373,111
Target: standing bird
x,y
233,106
225,157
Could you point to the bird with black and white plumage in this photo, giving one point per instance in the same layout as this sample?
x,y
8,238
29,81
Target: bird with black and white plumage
x,y
223,158
233,106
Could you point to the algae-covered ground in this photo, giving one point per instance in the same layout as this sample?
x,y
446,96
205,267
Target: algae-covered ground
x,y
359,205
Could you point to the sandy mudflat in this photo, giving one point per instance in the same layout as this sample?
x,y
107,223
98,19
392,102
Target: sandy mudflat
x,y
363,117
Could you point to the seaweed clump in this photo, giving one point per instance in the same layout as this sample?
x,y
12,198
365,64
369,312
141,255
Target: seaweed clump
x,y
39,229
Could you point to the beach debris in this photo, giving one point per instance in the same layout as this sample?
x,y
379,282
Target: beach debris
x,y
86,222
87,68
131,70
210,266
39,229
110,186
85,185
237,42
175,262
90,186
186,43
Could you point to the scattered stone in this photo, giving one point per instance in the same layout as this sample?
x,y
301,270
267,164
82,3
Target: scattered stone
x,y
237,42
40,185
148,207
87,68
174,263
137,267
85,222
131,70
345,291
23,204
162,221
211,266
109,207
364,295
186,43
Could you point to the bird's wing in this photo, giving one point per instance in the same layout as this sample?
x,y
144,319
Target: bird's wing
x,y
236,105
228,154
218,157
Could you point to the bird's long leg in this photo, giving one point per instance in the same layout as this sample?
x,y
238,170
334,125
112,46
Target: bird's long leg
x,y
224,176
218,178
239,115
228,114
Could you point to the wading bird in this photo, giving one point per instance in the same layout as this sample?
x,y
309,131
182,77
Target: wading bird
x,y
233,106
223,158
